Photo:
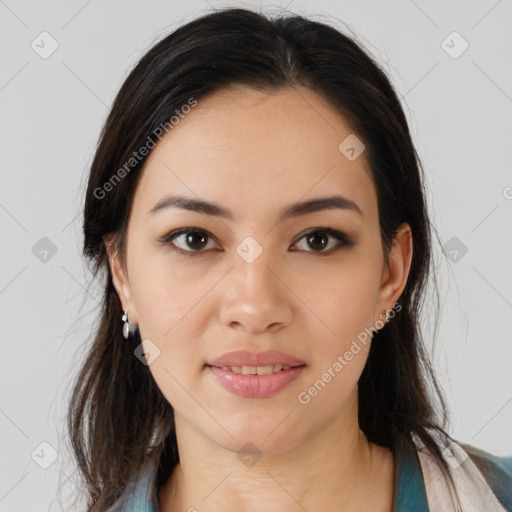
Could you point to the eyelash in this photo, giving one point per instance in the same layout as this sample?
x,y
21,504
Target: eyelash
x,y
344,240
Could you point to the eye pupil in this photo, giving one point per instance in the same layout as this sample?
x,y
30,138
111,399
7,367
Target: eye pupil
x,y
314,237
196,237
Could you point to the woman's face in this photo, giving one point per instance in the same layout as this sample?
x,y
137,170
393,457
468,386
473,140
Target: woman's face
x,y
256,278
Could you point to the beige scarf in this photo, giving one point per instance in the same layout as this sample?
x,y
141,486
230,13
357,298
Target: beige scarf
x,y
474,493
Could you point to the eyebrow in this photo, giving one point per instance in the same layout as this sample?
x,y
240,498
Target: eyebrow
x,y
292,211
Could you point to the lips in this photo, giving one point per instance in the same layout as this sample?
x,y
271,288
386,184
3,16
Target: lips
x,y
255,386
250,358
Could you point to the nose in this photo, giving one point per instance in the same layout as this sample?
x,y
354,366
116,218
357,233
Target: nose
x,y
255,296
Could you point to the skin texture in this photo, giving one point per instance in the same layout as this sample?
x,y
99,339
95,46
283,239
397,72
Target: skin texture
x,y
256,153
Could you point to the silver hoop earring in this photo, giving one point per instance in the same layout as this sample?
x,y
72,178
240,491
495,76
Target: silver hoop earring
x,y
128,328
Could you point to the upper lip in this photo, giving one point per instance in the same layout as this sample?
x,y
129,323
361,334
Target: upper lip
x,y
252,358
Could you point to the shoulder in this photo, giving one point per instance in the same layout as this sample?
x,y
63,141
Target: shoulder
x,y
497,471
479,480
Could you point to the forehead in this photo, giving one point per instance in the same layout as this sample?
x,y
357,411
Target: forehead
x,y
254,151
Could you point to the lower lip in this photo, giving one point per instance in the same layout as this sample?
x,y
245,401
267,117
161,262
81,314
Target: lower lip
x,y
255,386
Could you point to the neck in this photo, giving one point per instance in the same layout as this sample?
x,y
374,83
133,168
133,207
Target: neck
x,y
333,466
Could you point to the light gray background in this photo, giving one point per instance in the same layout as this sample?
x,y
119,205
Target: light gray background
x,y
52,110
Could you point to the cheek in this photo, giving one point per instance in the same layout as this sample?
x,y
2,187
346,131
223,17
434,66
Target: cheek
x,y
169,315
341,360
344,305
170,309
333,388
345,309
166,301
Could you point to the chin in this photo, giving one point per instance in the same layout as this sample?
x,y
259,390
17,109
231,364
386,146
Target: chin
x,y
258,440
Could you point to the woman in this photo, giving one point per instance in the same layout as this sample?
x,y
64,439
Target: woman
x,y
258,208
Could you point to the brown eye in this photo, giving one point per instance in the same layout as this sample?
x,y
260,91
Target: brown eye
x,y
318,240
196,240
191,241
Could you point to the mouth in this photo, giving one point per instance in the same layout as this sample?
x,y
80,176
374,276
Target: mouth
x,y
256,370
255,381
249,359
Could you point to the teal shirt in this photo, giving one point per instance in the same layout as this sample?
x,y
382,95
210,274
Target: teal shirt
x,y
410,493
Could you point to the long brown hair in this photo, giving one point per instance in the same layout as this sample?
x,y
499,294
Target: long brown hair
x,y
119,422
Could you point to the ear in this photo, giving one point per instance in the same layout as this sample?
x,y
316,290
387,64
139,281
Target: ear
x,y
396,271
120,277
